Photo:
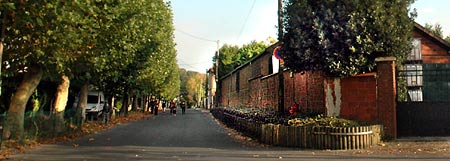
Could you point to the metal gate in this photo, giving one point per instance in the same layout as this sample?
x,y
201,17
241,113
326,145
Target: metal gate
x,y
423,100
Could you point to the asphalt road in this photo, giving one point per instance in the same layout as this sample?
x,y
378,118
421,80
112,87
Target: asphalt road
x,y
193,136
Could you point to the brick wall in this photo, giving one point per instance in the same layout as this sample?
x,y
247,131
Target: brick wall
x,y
306,89
386,94
369,97
357,96
269,92
261,90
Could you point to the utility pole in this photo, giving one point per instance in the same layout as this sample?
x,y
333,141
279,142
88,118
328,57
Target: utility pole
x,y
216,101
280,68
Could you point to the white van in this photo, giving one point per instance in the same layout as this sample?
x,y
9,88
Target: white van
x,y
95,104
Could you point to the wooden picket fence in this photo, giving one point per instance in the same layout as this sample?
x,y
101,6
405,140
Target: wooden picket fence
x,y
316,137
306,137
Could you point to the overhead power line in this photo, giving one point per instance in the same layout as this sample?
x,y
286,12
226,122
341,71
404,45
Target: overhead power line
x,y
197,63
194,36
187,64
246,19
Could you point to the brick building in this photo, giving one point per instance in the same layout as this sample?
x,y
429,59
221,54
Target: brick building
x,y
369,97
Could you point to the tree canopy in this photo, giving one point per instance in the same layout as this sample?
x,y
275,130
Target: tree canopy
x,y
114,45
192,86
109,43
436,29
344,37
232,56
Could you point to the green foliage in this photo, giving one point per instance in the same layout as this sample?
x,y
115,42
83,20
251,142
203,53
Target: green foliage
x,y
343,38
110,44
436,29
192,84
323,121
232,56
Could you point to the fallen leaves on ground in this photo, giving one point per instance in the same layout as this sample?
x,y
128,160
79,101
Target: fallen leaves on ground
x,y
406,148
239,137
90,127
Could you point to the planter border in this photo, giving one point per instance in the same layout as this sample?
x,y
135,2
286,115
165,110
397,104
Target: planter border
x,y
306,137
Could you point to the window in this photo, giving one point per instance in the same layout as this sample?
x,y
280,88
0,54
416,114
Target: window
x,y
416,52
92,99
275,65
414,81
414,74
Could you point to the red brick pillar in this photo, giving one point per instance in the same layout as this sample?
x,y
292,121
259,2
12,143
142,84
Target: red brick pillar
x,y
386,94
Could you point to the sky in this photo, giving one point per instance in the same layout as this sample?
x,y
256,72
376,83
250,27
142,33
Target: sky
x,y
199,24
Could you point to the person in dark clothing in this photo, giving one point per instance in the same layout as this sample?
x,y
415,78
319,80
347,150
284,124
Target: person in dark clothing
x,y
163,105
173,108
183,107
107,109
154,106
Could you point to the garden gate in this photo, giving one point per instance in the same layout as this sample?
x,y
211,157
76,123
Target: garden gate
x,y
423,100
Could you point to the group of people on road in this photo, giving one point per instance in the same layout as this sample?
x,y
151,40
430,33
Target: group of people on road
x,y
154,105
173,108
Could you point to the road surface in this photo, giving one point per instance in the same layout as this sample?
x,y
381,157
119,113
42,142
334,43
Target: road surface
x,y
193,136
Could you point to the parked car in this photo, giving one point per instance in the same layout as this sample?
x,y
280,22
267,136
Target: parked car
x,y
95,104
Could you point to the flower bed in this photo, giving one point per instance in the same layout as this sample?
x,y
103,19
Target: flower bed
x,y
317,133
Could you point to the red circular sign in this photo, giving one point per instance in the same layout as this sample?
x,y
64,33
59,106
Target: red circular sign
x,y
276,52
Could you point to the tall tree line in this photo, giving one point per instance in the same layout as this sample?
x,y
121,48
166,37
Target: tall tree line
x,y
192,87
123,47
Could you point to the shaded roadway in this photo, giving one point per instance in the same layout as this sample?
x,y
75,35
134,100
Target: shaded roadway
x,y
193,136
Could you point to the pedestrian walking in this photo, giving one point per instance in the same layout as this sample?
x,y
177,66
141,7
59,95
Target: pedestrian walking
x,y
154,106
173,108
164,106
183,107
107,109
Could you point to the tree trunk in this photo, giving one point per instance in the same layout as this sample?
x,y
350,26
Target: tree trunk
x,y
141,101
81,106
1,55
15,119
135,103
128,105
62,94
146,103
125,102
113,110
2,36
